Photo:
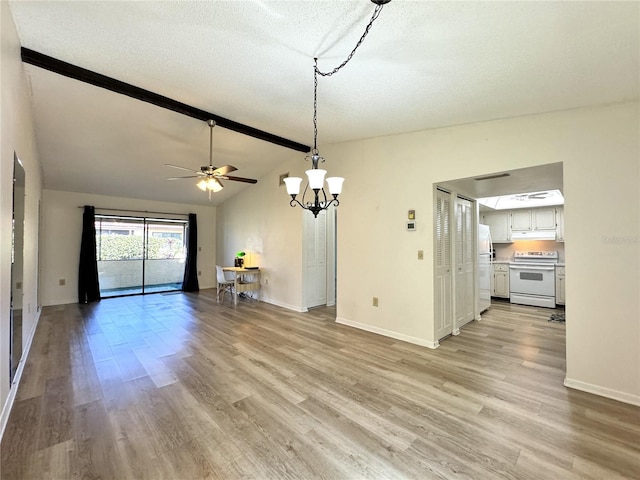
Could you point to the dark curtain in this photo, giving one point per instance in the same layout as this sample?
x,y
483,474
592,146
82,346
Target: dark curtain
x,y
88,284
190,281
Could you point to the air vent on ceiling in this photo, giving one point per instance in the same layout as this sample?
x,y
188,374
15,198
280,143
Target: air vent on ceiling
x,y
491,177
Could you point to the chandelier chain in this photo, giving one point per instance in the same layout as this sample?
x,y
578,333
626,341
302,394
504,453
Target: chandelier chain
x,y
320,201
317,71
375,15
315,107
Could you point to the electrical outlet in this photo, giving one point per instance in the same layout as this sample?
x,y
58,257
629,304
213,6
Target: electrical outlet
x,y
266,281
420,254
375,301
199,272
62,282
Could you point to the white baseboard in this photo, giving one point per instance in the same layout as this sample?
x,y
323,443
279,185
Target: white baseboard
x,y
8,405
603,391
387,333
283,305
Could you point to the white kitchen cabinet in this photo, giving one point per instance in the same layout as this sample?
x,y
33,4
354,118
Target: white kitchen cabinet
x,y
532,219
560,286
499,225
524,220
560,224
521,220
543,218
500,284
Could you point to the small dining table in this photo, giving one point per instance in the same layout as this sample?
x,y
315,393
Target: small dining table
x,y
246,280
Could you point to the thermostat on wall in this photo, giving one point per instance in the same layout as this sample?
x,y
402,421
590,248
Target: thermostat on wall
x,y
411,226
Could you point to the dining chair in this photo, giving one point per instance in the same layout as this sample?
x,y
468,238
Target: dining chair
x,y
224,283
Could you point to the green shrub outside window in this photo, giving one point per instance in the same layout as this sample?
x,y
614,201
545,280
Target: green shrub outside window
x,y
130,247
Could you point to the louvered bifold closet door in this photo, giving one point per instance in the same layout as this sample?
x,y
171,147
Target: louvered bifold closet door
x,y
443,275
464,281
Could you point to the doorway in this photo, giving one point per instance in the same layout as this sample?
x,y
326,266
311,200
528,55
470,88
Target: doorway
x,y
487,184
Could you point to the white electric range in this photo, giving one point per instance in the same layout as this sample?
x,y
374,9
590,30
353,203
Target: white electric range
x,y
532,279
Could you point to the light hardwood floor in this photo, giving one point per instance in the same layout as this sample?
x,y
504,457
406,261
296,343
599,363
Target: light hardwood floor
x,y
180,387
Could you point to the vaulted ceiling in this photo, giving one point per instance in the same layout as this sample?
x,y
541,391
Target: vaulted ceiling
x,y
423,65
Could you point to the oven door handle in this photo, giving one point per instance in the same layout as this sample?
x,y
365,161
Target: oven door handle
x,y
524,267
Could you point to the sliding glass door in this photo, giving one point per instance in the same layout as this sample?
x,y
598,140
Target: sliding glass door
x,y
165,255
139,255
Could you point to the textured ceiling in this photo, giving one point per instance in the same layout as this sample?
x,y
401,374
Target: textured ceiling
x,y
423,65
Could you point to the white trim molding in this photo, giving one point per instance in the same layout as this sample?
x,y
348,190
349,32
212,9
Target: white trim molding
x,y
283,305
8,405
387,333
603,391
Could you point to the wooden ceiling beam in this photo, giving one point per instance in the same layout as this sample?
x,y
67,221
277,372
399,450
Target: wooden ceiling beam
x,y
87,76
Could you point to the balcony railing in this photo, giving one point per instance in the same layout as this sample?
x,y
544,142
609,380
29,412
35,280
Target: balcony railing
x,y
118,276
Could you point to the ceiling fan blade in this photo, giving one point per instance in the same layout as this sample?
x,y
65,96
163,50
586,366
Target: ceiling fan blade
x,y
224,170
181,168
180,178
240,179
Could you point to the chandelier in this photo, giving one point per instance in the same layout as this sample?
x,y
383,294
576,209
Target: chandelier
x,y
315,175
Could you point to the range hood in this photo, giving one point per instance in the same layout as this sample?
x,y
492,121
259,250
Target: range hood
x,y
534,235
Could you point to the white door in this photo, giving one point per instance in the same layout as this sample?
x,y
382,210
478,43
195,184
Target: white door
x,y
464,262
315,249
443,276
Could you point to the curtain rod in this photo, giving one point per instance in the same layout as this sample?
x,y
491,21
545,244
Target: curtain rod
x,y
136,211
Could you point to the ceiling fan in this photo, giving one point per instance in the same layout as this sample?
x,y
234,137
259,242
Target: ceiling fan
x,y
210,176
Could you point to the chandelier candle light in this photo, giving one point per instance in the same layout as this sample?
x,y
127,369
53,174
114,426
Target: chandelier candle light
x,y
316,175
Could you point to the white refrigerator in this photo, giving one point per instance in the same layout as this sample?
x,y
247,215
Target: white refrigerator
x,y
485,267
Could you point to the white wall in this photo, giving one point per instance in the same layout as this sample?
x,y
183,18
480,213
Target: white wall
x,y
260,222
16,135
377,256
62,230
387,176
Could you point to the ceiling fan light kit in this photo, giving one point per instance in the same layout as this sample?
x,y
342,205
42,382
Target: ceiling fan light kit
x,y
212,184
209,175
315,175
